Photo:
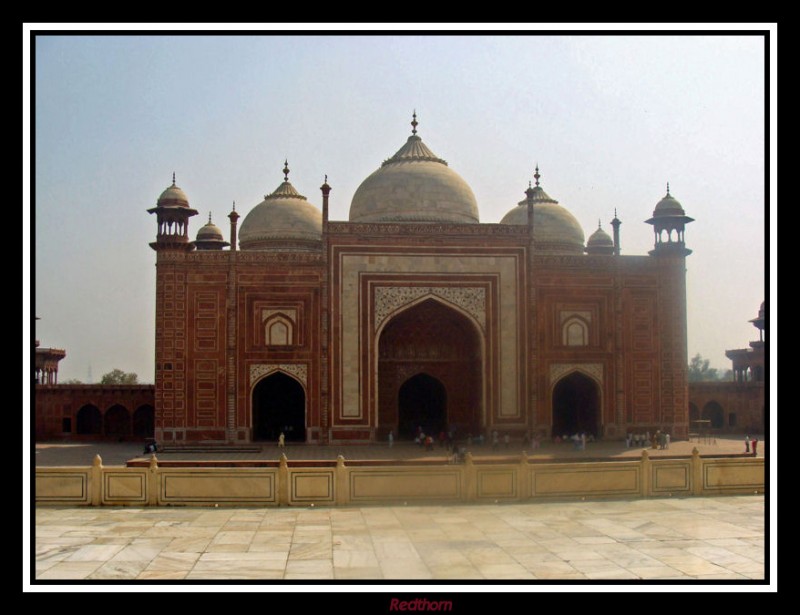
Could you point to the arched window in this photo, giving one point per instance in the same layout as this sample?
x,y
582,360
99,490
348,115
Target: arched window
x,y
278,331
575,333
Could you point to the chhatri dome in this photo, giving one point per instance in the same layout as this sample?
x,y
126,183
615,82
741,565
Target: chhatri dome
x,y
210,237
414,185
173,197
600,242
554,228
669,206
284,220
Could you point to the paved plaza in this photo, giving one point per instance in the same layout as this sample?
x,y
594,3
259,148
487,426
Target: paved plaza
x,y
682,539
700,539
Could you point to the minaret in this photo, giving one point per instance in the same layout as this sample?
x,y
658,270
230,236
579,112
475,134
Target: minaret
x,y
615,223
669,222
172,245
325,397
233,217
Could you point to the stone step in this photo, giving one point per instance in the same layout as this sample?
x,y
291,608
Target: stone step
x,y
209,448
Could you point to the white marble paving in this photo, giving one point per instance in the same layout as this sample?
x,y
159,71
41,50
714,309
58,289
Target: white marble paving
x,y
700,539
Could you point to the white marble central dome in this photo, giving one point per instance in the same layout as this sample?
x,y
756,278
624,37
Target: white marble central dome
x,y
414,185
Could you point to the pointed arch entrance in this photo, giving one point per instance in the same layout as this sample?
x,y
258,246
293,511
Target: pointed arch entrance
x,y
279,405
430,371
576,405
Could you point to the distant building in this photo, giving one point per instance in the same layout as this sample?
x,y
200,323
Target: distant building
x,y
738,406
413,314
88,411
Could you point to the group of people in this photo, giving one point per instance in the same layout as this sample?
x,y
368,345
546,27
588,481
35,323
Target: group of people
x,y
660,440
578,439
750,446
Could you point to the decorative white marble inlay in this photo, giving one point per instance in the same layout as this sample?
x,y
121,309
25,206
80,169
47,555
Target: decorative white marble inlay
x,y
565,314
290,313
298,370
594,370
389,298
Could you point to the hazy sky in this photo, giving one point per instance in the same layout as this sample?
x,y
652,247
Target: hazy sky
x,y
609,119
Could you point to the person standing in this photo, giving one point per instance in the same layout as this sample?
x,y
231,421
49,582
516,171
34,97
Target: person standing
x,y
746,445
281,441
666,439
391,437
754,445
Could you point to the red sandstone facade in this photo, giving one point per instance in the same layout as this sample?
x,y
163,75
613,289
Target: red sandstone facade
x,y
372,327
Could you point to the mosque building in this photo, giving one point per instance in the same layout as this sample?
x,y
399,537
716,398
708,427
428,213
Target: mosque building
x,y
412,314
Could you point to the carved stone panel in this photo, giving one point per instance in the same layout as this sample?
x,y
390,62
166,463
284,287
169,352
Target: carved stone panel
x,y
593,370
389,298
298,370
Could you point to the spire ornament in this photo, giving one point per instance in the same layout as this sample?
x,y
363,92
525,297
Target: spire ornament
x,y
536,175
286,170
414,123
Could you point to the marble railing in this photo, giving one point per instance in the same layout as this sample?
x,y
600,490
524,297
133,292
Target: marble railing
x,y
341,483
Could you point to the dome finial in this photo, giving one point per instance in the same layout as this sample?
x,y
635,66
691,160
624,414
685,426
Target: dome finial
x,y
209,217
667,188
173,178
598,223
536,174
234,206
414,123
286,170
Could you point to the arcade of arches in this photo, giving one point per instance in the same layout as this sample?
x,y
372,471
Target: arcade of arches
x,y
430,372
119,412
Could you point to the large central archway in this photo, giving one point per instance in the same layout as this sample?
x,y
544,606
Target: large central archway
x,y
279,405
576,406
430,372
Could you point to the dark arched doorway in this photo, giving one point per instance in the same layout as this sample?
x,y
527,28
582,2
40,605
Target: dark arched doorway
x,y
89,420
144,421
117,421
421,402
713,412
430,372
576,406
279,405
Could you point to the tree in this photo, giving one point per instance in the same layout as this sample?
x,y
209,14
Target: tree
x,y
117,376
699,370
72,381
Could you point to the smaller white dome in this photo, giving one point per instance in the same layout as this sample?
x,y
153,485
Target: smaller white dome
x,y
600,242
